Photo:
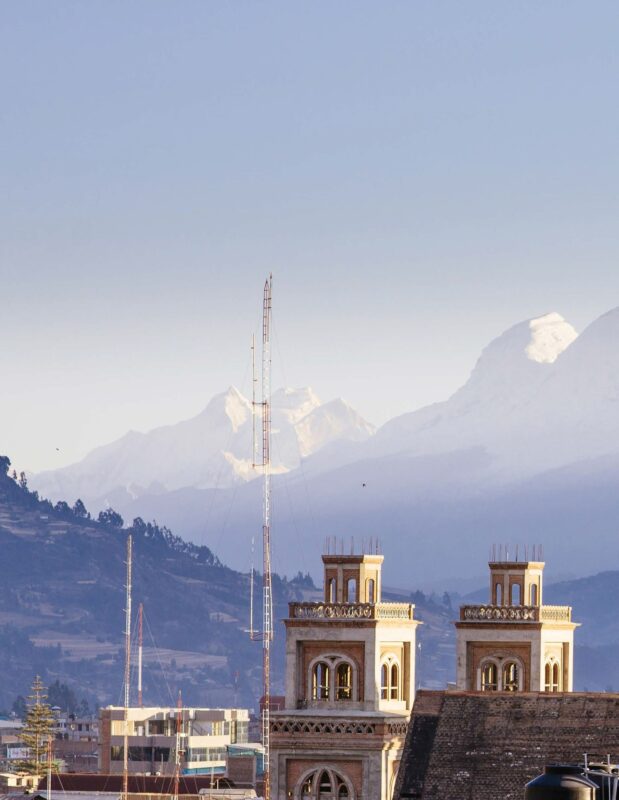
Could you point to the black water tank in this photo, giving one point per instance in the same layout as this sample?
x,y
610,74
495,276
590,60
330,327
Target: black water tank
x,y
561,782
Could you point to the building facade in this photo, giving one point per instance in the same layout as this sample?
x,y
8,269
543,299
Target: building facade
x,y
515,643
350,686
206,734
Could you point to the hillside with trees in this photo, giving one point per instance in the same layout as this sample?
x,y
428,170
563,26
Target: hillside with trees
x,y
62,606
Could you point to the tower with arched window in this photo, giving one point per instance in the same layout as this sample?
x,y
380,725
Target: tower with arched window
x,y
515,643
350,685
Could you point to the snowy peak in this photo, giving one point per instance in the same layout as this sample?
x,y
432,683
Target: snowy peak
x,y
211,450
237,408
540,340
230,406
331,421
517,361
550,336
294,404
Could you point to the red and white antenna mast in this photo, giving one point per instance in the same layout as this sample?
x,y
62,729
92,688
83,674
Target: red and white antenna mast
x,y
140,648
266,634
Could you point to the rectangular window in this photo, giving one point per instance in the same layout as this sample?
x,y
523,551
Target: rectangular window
x,y
161,754
155,727
242,732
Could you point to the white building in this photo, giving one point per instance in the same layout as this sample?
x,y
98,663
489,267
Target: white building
x,y
205,736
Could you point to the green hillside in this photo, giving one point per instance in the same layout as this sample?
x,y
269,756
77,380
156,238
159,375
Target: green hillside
x,y
62,607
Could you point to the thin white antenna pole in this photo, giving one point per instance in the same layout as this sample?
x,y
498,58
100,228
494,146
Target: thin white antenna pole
x,y
251,592
266,530
140,649
49,767
254,380
178,751
127,671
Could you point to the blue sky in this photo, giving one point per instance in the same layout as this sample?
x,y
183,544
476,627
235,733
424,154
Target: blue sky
x,y
418,177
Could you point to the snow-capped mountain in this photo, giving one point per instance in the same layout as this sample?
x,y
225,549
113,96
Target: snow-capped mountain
x,y
213,450
525,451
540,397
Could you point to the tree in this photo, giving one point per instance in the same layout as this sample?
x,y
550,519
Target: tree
x,y
62,507
59,694
5,463
111,518
79,510
23,480
19,708
37,730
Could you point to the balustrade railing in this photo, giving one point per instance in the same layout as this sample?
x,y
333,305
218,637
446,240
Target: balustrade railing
x,y
351,611
490,613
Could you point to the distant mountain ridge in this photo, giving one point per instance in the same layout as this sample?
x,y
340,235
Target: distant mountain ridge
x,y
525,451
209,451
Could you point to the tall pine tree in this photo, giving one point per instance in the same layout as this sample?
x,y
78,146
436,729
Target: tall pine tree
x,y
37,730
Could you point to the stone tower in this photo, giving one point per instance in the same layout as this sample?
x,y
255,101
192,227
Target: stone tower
x,y
350,685
515,643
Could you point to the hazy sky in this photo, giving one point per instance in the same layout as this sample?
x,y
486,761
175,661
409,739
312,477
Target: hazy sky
x,y
418,176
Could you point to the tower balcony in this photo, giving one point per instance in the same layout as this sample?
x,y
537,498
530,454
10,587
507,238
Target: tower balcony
x,y
351,611
494,614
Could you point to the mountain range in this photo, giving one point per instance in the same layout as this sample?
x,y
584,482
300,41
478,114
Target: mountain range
x,y
62,599
213,450
527,450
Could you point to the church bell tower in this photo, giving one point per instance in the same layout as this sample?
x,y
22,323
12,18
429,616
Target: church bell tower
x,y
515,643
350,686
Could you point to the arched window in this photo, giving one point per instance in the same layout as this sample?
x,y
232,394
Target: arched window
x,y
324,784
515,594
489,677
511,677
370,590
351,591
498,589
331,591
533,594
320,681
395,682
343,690
555,677
307,789
384,682
551,676
390,679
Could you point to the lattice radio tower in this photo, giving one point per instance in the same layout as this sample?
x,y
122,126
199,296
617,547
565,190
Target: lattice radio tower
x,y
266,634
